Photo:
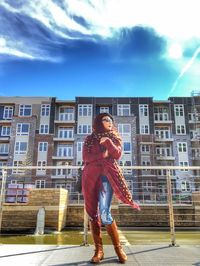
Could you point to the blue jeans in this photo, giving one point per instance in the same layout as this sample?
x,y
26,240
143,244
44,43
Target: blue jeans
x,y
105,198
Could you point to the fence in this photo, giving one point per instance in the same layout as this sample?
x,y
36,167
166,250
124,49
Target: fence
x,y
155,193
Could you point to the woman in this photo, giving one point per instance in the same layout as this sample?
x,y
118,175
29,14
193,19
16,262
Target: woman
x,y
101,177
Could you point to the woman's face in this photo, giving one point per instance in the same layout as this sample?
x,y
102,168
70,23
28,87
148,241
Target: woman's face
x,y
107,123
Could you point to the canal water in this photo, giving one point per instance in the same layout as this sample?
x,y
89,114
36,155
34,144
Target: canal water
x,y
132,237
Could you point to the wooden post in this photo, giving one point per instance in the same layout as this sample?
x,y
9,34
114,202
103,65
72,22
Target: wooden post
x,y
2,196
171,210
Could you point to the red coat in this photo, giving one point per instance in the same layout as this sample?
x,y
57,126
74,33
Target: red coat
x,y
94,167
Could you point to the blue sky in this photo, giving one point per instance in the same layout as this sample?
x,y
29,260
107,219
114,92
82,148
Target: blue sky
x,y
124,48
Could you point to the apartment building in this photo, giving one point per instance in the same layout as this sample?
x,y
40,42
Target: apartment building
x,y
46,131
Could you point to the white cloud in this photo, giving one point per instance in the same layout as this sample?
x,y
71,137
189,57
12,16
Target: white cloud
x,y
177,21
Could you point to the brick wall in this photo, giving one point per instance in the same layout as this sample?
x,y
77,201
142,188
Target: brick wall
x,y
18,217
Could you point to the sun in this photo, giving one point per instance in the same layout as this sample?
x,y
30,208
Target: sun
x,y
175,51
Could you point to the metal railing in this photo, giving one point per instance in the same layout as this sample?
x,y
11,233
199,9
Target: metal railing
x,y
167,197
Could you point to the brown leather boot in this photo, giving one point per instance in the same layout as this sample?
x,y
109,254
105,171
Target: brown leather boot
x,y
113,233
95,228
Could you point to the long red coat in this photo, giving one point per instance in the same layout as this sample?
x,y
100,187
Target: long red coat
x,y
94,167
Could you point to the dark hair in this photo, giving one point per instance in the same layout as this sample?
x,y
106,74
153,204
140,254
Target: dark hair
x,y
98,125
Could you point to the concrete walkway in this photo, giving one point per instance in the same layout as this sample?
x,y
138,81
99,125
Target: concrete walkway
x,y
53,255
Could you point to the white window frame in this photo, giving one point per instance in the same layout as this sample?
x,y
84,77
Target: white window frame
x,y
182,147
144,149
41,170
85,109
45,110
66,113
180,130
147,185
42,146
8,112
4,148
124,129
5,131
23,108
18,163
18,147
104,109
179,110
20,132
40,183
162,132
44,129
2,163
128,151
144,129
86,128
184,163
185,186
80,146
65,132
123,110
65,150
144,110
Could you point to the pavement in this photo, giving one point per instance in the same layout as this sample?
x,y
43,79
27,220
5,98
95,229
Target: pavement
x,y
54,255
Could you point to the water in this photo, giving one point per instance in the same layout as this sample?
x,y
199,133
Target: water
x,y
133,237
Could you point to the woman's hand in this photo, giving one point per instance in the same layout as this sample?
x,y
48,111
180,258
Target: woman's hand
x,y
105,154
103,139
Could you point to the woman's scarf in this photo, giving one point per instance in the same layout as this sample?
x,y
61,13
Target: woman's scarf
x,y
97,137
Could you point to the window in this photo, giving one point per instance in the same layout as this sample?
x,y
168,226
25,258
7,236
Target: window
x,y
182,146
183,164
63,171
85,110
40,183
144,110
41,170
126,147
185,186
161,114
45,110
1,165
145,148
79,147
162,132
5,131
144,129
44,129
123,109
25,110
146,162
84,129
65,133
8,112
4,148
104,109
65,150
21,147
66,114
178,109
147,185
163,151
18,170
22,129
43,146
180,130
124,129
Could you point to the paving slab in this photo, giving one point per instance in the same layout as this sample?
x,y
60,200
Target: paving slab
x,y
54,255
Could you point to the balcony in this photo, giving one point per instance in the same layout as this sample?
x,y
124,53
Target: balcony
x,y
64,177
65,118
6,121
62,139
162,118
6,139
165,157
158,139
58,157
